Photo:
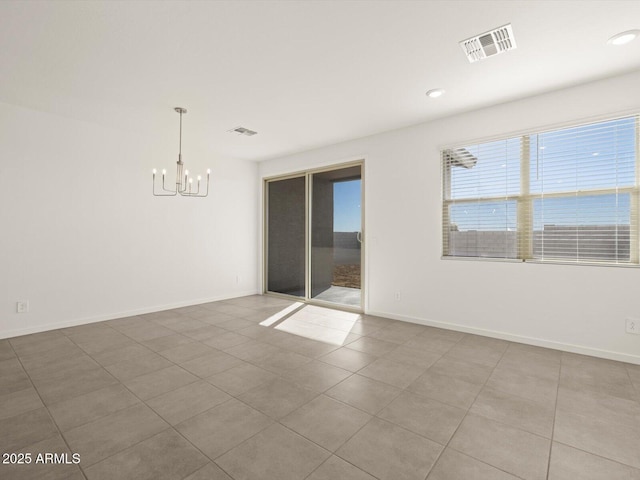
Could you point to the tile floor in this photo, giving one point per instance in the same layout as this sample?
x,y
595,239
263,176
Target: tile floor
x,y
262,388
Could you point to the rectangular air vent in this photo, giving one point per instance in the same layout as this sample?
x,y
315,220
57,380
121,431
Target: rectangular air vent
x,y
488,44
243,131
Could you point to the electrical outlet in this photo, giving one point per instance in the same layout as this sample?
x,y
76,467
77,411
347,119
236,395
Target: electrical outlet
x,y
237,278
397,296
632,325
22,307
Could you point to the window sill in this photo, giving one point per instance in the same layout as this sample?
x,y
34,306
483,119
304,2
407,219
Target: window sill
x,y
482,259
545,262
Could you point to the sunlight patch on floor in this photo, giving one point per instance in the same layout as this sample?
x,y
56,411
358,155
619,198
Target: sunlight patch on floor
x,y
281,314
306,323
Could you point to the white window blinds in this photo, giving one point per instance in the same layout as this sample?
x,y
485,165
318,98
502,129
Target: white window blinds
x,y
563,195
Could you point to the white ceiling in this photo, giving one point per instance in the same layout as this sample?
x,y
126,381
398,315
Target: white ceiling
x,y
303,74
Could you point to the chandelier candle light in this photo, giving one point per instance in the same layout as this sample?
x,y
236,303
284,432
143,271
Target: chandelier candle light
x,y
184,183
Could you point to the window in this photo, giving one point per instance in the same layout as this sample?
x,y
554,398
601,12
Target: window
x,y
568,195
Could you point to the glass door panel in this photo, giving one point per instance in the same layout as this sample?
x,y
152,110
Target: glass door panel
x,y
286,240
336,238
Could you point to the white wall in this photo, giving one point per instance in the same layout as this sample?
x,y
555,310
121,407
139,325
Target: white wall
x,y
575,308
83,239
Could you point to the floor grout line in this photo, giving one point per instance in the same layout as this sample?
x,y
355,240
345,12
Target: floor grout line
x,y
555,413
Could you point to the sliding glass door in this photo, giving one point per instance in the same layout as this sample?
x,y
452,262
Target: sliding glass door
x,y
313,243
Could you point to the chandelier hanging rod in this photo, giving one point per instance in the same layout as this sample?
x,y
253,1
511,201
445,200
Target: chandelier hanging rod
x,y
184,183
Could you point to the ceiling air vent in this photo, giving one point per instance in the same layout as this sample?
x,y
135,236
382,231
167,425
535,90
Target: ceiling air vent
x,y
489,44
243,131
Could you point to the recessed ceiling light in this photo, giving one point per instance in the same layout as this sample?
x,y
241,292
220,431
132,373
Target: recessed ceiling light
x,y
624,37
435,93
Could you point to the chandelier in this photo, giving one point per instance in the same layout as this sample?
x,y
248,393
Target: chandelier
x,y
184,183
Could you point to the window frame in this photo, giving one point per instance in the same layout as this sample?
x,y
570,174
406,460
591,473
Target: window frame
x,y
525,199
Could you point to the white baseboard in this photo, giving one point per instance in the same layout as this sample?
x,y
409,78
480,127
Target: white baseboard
x,y
112,316
538,342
